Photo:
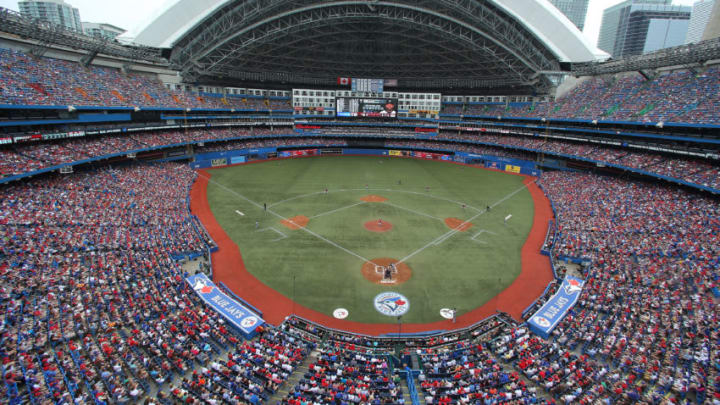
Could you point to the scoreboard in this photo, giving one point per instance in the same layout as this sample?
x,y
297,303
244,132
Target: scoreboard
x,y
366,107
368,85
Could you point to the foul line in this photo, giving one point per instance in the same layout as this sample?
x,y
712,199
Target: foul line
x,y
455,230
336,210
411,210
282,235
231,191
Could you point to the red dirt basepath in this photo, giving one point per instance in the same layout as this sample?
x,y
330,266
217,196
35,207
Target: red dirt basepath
x,y
228,267
377,226
373,273
296,222
459,224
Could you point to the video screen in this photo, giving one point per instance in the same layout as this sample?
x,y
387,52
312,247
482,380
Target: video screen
x,y
366,107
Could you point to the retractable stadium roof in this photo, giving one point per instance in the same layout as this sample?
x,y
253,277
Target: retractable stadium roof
x,y
441,44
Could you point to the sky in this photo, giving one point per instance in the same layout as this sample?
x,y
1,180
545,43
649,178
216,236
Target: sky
x,y
132,14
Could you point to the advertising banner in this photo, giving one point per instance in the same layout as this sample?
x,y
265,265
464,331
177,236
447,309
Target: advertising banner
x,y
554,310
512,168
218,162
235,313
237,159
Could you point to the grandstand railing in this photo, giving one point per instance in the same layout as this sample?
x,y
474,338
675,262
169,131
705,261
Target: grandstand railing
x,y
15,23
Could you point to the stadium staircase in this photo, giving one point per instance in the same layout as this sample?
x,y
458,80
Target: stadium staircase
x,y
83,93
646,110
39,88
294,378
611,110
118,95
406,394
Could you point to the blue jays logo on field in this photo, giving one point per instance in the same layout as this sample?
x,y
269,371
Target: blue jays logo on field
x,y
391,303
573,286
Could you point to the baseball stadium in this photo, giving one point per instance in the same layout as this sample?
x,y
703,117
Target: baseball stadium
x,y
358,202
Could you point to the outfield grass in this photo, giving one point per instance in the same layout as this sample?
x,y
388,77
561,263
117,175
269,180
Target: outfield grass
x,y
325,259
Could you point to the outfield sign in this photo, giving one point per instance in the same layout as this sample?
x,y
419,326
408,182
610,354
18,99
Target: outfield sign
x,y
235,313
554,310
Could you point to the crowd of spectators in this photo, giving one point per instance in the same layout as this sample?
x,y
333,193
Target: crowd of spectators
x,y
468,372
644,328
337,375
23,158
25,79
695,171
95,308
679,96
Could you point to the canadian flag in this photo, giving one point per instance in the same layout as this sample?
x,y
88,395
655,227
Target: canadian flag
x,y
343,81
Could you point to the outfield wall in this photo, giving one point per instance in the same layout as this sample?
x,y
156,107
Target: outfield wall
x,y
225,158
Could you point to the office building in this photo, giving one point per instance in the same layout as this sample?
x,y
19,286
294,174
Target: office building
x,y
699,19
102,30
574,10
635,27
54,11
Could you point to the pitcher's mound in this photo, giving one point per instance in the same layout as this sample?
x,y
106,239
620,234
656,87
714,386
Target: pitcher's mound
x,y
377,226
381,271
296,222
459,224
373,198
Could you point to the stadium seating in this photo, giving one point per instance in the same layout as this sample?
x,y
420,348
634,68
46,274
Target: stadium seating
x,y
31,157
25,79
679,96
469,373
95,308
646,313
337,375
691,170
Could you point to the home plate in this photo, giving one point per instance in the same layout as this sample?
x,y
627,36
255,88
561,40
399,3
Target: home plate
x,y
340,313
240,213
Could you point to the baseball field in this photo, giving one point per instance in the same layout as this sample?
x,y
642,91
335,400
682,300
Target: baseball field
x,y
335,232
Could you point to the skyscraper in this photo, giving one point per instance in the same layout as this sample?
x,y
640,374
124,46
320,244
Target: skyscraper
x,y
698,20
102,30
634,27
575,10
54,11
712,29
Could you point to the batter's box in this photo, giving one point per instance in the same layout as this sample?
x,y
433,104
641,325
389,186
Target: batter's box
x,y
385,270
282,235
